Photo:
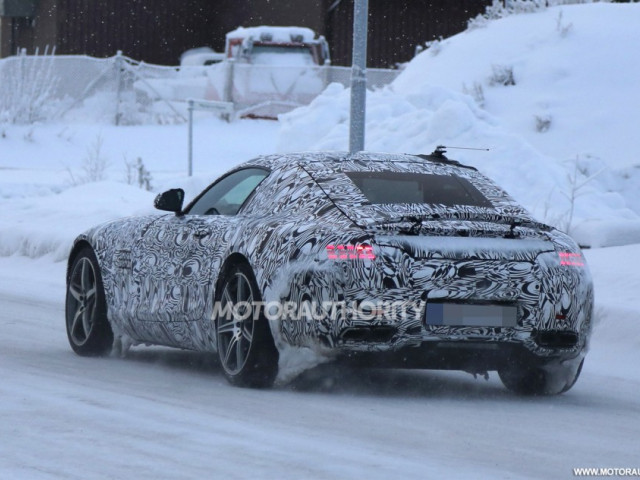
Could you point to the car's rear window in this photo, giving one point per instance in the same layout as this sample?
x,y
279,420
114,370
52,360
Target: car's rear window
x,y
399,187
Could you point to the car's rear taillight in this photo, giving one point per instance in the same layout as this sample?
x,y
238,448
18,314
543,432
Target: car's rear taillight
x,y
571,259
350,252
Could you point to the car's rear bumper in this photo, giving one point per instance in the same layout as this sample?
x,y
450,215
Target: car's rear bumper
x,y
470,356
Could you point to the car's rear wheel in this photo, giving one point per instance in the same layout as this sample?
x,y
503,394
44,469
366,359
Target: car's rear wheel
x,y
88,329
246,348
551,379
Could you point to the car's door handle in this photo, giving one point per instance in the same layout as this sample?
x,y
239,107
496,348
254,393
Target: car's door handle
x,y
201,233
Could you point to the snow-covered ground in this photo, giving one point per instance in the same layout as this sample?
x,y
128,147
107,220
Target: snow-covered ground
x,y
161,413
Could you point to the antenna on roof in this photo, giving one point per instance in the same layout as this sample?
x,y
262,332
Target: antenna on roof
x,y
442,149
439,151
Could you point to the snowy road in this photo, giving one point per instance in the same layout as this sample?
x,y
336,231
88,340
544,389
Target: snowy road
x,y
165,413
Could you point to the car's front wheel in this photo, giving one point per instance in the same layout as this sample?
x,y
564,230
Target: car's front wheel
x,y
551,379
88,329
246,348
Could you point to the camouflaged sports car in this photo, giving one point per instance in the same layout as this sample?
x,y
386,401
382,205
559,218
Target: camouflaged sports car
x,y
373,259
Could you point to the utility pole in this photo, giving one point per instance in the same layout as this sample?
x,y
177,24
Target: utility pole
x,y
358,75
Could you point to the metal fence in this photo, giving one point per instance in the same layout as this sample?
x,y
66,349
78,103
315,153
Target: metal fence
x,y
46,87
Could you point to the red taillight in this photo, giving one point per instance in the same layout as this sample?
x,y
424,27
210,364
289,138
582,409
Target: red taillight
x,y
571,259
350,252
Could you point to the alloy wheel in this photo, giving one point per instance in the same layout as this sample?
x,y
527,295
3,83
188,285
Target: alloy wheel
x,y
82,301
236,325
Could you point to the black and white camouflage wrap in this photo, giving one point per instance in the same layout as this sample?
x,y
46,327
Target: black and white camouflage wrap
x,y
160,272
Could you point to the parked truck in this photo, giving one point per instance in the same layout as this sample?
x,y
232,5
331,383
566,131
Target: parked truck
x,y
263,71
264,45
267,45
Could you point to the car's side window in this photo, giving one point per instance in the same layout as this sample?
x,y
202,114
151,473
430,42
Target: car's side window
x,y
226,196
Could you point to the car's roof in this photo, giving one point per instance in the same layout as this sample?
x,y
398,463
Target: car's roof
x,y
330,171
335,160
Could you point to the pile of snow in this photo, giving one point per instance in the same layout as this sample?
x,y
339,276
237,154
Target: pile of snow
x,y
553,94
575,71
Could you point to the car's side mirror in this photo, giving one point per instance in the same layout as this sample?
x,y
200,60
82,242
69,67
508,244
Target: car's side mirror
x,y
170,201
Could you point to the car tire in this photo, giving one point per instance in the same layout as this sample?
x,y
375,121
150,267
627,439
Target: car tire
x,y
552,379
246,349
88,328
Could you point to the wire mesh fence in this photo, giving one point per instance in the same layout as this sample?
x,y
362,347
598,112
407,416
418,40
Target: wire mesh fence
x,y
46,87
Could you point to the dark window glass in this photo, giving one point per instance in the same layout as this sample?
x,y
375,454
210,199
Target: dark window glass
x,y
399,187
227,195
281,55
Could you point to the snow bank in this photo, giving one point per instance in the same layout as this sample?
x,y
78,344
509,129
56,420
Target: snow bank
x,y
48,224
561,139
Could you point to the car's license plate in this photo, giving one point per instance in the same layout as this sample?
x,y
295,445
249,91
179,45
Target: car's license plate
x,y
469,315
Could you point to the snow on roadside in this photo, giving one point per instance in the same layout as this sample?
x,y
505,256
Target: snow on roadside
x,y
48,224
616,336
46,201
